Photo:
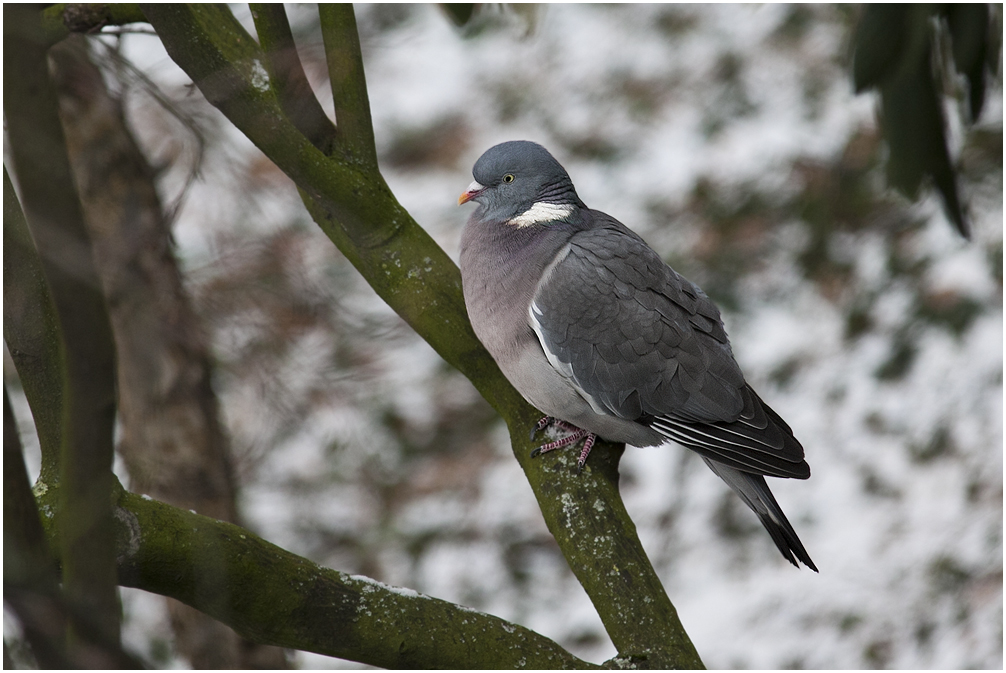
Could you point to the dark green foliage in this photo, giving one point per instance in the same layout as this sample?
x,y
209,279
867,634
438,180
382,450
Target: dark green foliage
x,y
675,21
995,260
858,321
877,486
784,374
947,575
915,131
878,653
969,33
896,52
848,622
459,13
949,309
798,22
940,445
900,360
732,99
880,43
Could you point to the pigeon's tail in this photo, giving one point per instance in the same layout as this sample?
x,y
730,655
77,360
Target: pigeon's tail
x,y
755,493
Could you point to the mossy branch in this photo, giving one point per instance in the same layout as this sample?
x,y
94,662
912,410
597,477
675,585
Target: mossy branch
x,y
61,19
361,215
355,137
53,212
31,578
28,566
31,331
272,596
288,77
354,206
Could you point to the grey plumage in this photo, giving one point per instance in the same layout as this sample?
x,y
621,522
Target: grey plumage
x,y
593,328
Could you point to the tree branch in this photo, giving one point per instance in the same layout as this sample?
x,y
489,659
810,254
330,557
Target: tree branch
x,y
400,260
61,19
56,223
28,567
271,596
349,85
408,270
31,579
31,330
288,78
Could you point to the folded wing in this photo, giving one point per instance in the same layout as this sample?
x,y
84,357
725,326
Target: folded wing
x,y
640,342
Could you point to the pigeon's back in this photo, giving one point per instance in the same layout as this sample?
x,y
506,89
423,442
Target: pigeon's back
x,y
640,338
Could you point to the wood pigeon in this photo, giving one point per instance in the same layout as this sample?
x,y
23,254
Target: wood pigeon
x,y
594,329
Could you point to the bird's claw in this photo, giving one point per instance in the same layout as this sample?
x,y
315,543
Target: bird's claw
x,y
588,444
576,434
542,423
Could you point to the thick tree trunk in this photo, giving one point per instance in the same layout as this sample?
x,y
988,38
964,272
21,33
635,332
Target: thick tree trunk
x,y
171,436
83,335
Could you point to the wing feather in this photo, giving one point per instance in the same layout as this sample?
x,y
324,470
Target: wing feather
x,y
642,343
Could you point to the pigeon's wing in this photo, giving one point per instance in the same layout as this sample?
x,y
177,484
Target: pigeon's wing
x,y
640,342
633,334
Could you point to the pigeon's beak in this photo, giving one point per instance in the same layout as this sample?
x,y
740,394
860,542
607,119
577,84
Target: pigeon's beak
x,y
474,190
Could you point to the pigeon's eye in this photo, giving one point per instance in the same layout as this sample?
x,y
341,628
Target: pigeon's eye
x,y
508,177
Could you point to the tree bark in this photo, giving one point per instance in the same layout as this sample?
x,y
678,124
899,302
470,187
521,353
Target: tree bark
x,y
31,578
31,332
52,209
171,437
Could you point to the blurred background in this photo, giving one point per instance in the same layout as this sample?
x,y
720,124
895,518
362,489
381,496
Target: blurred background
x,y
730,139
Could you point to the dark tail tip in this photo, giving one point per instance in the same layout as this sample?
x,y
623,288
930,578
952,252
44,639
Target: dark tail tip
x,y
776,523
786,540
756,494
779,527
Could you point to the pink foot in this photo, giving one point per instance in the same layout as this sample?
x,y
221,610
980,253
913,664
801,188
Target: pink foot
x,y
588,444
576,435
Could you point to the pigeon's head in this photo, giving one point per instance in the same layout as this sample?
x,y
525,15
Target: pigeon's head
x,y
520,181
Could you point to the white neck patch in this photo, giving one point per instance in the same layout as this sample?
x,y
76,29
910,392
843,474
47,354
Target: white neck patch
x,y
541,212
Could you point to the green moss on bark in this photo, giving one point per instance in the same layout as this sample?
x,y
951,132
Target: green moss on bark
x,y
272,596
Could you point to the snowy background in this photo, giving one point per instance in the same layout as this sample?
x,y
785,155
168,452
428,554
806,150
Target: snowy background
x,y
729,137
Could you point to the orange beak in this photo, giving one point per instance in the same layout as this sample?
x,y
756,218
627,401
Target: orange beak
x,y
474,190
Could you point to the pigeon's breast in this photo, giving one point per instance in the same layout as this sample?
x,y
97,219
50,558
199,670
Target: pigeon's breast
x,y
501,267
